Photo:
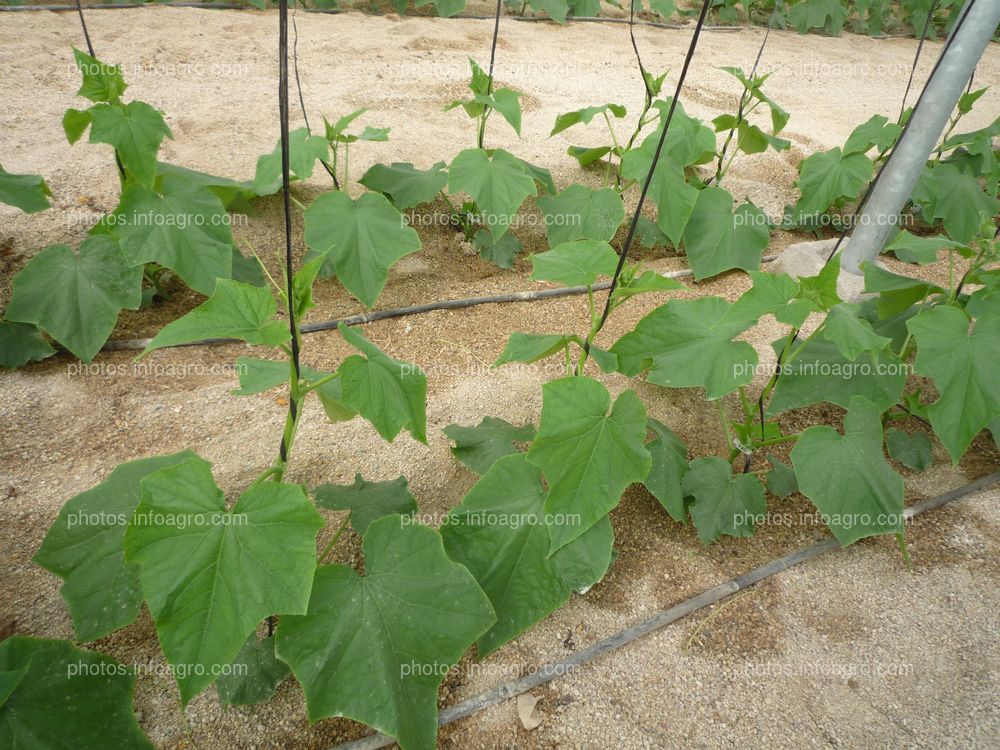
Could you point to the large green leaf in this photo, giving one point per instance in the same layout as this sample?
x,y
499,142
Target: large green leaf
x,y
774,294
256,674
669,466
85,547
498,184
303,151
675,202
234,194
829,178
500,533
585,115
387,392
963,365
360,238
582,213
576,263
689,141
500,252
368,501
27,192
718,239
406,185
374,648
184,227
847,478
877,131
852,334
820,372
689,344
916,249
956,197
589,455
135,130
531,347
896,293
66,699
479,447
76,298
912,449
234,311
210,575
21,343
723,503
781,481
101,82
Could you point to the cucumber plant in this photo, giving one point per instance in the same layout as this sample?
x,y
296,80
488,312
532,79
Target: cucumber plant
x,y
213,575
169,221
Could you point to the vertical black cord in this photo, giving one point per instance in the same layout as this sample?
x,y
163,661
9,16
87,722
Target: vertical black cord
x,y
298,88
638,58
295,64
916,58
652,167
283,115
745,98
86,36
493,47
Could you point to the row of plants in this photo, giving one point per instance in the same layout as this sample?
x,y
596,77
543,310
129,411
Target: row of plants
x,y
250,582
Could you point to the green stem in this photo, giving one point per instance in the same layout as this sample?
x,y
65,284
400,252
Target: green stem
x,y
775,441
725,424
318,383
297,202
330,545
745,403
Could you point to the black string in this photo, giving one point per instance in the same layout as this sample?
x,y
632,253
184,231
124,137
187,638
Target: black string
x,y
493,48
86,36
916,57
635,47
285,180
652,168
745,98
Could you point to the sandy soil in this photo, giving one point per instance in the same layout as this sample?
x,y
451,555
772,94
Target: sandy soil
x,y
213,73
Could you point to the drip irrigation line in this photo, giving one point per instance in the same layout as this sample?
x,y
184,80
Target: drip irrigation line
x,y
552,670
652,168
401,312
286,195
460,17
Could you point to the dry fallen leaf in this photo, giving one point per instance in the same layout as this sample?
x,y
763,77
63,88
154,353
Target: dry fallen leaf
x,y
530,719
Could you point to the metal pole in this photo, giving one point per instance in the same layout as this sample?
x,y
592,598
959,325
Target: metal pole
x,y
977,23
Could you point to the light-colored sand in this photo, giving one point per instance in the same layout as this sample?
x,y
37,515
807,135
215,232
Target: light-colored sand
x,y
214,75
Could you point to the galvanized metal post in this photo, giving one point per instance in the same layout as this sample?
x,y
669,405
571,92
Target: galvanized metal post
x,y
928,120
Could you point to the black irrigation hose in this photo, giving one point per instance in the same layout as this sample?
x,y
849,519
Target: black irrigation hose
x,y
652,167
402,312
552,670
